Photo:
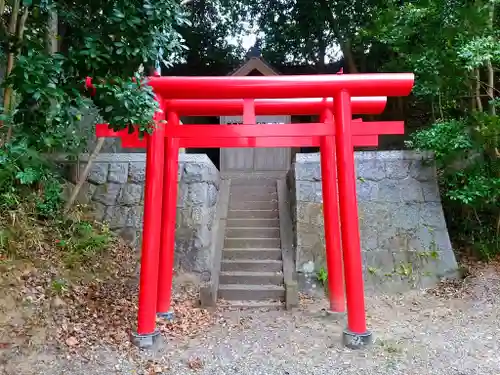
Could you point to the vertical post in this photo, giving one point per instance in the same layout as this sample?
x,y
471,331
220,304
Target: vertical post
x,y
146,324
249,111
356,334
331,218
166,264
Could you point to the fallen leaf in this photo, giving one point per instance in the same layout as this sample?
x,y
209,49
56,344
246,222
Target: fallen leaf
x,y
195,364
71,341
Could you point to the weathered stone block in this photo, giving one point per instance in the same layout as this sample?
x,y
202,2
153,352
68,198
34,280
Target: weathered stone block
x,y
202,238
369,169
311,259
309,213
432,215
423,170
211,217
310,247
431,191
180,170
131,194
199,169
446,266
309,191
309,172
407,190
375,214
116,216
98,173
369,238
182,195
212,195
118,172
397,169
197,194
428,239
107,194
193,216
367,190
135,217
137,172
379,262
310,236
405,215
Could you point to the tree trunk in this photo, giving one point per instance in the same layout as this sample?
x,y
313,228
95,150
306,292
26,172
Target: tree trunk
x,y
491,86
478,91
491,73
19,30
52,34
320,64
349,57
7,94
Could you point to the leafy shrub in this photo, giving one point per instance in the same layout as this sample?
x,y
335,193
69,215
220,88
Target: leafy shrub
x,y
466,153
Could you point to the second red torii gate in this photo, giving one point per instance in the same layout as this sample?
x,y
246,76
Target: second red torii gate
x,y
336,134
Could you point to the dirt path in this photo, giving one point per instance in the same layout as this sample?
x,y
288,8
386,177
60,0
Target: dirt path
x,y
418,333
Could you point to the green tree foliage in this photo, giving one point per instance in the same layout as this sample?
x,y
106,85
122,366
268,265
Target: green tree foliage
x,y
48,49
453,47
307,31
206,36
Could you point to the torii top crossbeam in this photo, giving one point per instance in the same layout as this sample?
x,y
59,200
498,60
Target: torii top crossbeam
x,y
275,87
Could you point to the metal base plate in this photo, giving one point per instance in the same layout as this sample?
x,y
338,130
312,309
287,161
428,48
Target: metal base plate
x,y
145,341
356,340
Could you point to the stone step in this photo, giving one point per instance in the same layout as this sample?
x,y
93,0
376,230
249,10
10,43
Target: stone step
x,y
243,181
251,265
253,232
253,205
263,254
250,305
238,292
251,278
250,223
252,189
252,196
251,243
252,214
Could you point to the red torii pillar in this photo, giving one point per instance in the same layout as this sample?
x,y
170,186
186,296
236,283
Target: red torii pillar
x,y
332,231
356,334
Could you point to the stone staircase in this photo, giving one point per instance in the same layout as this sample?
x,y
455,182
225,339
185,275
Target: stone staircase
x,y
251,272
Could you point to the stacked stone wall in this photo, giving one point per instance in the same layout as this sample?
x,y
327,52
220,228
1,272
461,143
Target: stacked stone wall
x,y
402,226
115,190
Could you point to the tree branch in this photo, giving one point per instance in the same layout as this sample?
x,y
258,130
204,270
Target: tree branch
x,y
83,177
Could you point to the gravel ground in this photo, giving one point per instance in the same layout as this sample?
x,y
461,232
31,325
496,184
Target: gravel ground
x,y
416,333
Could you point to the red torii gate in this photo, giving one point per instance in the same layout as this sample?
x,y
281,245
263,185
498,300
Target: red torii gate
x,y
336,134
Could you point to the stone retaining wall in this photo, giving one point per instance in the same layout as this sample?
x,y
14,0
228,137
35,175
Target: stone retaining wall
x,y
402,225
115,189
